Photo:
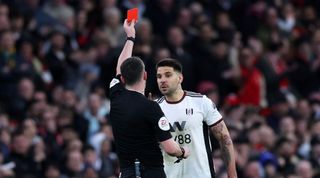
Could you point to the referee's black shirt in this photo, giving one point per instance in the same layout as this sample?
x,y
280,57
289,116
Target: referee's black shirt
x,y
136,127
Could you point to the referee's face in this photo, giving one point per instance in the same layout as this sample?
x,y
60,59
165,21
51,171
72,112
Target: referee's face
x,y
168,80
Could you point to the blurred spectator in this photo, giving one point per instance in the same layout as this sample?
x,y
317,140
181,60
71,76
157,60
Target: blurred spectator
x,y
8,64
161,14
279,107
269,163
104,133
19,105
145,40
225,28
4,121
4,17
287,158
73,113
176,42
254,170
109,160
91,158
6,168
288,20
52,171
30,131
74,164
315,152
89,172
23,157
5,143
58,9
253,88
112,28
94,114
57,58
210,90
266,132
217,68
304,169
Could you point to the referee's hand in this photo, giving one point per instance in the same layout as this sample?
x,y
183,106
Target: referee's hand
x,y
187,152
129,28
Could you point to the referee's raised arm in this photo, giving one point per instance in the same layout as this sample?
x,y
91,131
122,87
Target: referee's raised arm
x,y
128,47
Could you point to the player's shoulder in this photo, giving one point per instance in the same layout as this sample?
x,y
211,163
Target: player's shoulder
x,y
198,98
194,94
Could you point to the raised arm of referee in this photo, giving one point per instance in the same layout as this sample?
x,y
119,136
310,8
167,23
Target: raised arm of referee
x,y
139,124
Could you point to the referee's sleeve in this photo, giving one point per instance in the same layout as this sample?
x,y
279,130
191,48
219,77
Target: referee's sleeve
x,y
159,122
115,86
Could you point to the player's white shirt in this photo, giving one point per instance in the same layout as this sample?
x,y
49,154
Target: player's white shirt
x,y
189,119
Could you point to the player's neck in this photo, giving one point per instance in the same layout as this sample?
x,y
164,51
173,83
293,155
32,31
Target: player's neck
x,y
176,96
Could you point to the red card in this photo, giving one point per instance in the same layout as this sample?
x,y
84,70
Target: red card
x,y
132,14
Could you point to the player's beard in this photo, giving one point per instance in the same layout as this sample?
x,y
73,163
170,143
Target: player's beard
x,y
168,91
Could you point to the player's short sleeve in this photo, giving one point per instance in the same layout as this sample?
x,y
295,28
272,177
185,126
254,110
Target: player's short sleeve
x,y
211,113
159,122
115,86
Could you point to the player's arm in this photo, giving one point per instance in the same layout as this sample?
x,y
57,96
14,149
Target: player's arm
x,y
221,133
173,149
128,47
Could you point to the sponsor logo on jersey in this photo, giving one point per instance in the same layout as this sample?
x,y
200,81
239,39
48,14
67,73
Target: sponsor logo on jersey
x,y
164,124
177,125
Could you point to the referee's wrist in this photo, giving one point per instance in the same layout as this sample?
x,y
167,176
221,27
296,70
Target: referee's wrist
x,y
130,38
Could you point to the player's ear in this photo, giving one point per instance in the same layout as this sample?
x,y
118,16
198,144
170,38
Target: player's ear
x,y
180,78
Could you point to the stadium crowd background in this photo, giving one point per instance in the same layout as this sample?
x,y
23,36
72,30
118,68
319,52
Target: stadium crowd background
x,y
259,61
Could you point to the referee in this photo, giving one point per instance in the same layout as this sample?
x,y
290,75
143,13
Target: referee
x,y
138,123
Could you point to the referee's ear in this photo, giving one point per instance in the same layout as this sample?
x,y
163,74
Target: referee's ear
x,y
122,79
145,75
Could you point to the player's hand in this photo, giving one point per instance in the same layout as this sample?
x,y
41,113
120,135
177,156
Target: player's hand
x,y
129,28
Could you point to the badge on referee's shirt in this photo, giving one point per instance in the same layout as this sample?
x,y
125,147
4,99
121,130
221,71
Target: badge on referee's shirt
x,y
113,82
164,124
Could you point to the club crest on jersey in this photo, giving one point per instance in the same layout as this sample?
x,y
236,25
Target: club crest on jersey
x,y
189,111
164,124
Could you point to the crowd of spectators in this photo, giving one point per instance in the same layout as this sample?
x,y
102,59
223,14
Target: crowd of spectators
x,y
258,60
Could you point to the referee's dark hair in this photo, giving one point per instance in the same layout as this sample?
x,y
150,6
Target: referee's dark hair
x,y
132,70
168,62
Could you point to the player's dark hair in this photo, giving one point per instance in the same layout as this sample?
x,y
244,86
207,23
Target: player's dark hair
x,y
132,70
168,62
